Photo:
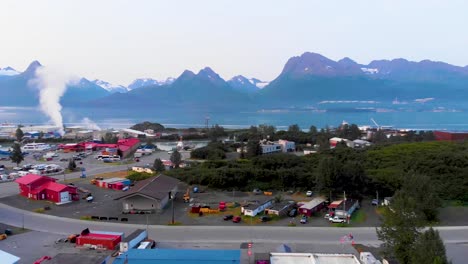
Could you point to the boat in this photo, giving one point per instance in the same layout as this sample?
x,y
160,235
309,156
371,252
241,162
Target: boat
x,y
36,147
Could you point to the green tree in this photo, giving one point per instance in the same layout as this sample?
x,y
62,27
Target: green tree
x,y
110,138
423,192
266,131
253,149
138,176
242,151
16,155
176,158
400,227
158,165
294,128
429,248
71,165
19,134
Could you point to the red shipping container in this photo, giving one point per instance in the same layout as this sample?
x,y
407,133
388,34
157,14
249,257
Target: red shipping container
x,y
105,240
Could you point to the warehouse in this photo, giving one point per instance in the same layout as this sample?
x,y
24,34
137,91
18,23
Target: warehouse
x,y
312,258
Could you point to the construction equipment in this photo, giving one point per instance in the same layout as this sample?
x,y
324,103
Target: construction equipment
x,y
94,181
187,196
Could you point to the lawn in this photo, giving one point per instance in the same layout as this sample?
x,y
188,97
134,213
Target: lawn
x,y
117,174
359,217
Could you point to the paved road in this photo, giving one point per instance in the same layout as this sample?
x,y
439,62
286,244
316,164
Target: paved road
x,y
211,234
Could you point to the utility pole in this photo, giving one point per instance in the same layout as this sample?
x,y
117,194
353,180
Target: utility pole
x,y
377,192
344,206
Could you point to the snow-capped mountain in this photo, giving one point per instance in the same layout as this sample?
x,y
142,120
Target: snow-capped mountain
x,y
110,87
148,81
258,83
8,71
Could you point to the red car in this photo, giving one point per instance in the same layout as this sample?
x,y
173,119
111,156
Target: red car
x,y
236,219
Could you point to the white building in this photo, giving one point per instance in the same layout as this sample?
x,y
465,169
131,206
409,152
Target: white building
x,y
287,146
312,258
277,146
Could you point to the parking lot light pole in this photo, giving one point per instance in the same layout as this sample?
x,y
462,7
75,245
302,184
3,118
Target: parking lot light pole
x,y
172,198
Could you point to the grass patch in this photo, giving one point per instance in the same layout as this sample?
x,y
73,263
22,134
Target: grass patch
x,y
39,210
340,225
86,217
117,174
359,217
291,224
380,210
174,224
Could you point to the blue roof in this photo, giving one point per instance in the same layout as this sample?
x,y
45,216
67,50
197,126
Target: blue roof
x,y
176,256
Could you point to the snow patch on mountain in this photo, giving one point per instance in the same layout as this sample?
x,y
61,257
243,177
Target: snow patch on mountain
x,y
260,84
148,81
8,71
370,70
111,87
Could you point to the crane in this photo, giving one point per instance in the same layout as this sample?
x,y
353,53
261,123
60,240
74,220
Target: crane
x,y
373,121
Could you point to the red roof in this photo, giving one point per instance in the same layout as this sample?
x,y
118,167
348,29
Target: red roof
x,y
125,144
28,179
56,187
335,204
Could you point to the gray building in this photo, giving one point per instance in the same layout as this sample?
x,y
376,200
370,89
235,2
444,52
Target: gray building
x,y
149,195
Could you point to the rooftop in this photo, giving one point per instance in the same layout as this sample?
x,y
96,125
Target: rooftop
x,y
77,258
8,258
312,258
175,256
155,187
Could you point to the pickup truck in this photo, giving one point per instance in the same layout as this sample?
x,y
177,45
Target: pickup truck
x,y
336,220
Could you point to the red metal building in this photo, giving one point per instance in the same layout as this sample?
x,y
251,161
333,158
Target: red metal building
x,y
108,240
450,135
46,188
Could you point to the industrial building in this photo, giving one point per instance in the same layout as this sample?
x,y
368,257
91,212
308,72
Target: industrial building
x,y
450,135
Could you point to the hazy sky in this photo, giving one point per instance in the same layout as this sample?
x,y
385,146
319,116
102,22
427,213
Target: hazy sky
x,y
119,41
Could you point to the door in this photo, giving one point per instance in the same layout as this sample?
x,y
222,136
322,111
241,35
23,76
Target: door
x,y
64,197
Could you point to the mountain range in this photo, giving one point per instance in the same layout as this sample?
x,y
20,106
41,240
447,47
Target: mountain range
x,y
305,80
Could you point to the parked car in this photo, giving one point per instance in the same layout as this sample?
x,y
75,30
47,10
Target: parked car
x,y
236,219
227,217
309,193
257,191
63,159
292,213
375,202
265,218
336,219
304,219
77,158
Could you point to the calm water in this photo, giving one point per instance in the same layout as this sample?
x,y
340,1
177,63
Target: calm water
x,y
419,120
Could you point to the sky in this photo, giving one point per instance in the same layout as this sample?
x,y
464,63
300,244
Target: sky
x,y
119,41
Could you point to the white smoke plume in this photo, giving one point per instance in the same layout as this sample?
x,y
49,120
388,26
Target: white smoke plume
x,y
89,124
52,84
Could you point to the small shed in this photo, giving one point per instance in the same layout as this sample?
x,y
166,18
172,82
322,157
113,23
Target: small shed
x,y
312,206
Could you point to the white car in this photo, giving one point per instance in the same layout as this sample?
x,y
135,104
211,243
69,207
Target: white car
x,y
309,193
336,219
